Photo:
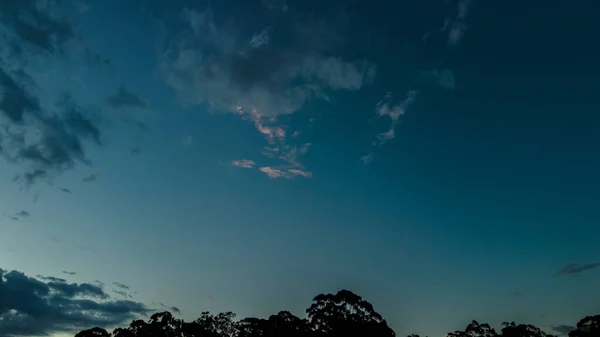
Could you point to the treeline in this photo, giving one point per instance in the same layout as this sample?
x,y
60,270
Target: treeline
x,y
344,314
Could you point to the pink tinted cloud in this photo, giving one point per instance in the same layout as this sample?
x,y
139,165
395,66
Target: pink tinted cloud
x,y
244,163
273,173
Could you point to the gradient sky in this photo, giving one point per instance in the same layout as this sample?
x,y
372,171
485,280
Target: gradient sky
x,y
439,158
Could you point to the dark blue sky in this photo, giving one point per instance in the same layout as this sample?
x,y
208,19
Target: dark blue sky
x,y
439,158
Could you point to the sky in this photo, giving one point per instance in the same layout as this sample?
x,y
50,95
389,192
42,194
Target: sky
x,y
437,157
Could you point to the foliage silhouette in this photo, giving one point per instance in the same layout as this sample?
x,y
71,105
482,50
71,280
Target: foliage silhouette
x,y
587,327
343,314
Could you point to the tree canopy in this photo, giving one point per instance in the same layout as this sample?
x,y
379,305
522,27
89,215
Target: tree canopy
x,y
343,314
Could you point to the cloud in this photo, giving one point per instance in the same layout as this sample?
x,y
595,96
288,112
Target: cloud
x,y
90,178
35,24
66,190
69,272
275,173
124,99
136,151
244,163
296,172
575,268
393,112
368,158
187,140
441,78
279,5
175,310
35,307
213,64
260,39
123,294
51,278
22,214
455,26
563,329
121,285
42,139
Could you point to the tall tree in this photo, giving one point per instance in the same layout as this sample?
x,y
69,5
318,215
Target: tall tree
x,y
346,314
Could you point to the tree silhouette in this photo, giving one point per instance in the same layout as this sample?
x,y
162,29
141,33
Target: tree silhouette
x,y
93,332
346,313
475,329
522,330
343,314
589,326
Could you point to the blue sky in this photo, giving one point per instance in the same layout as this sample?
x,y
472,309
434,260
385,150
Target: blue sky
x,y
437,157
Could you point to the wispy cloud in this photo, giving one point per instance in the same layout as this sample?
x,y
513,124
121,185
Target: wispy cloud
x,y
443,78
123,98
121,285
275,173
69,272
563,329
385,108
260,39
244,163
368,158
90,178
187,140
455,25
575,268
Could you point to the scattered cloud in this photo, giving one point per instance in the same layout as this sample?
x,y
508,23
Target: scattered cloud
x,y
275,173
69,272
43,139
260,39
394,112
518,293
296,172
66,190
575,268
368,158
455,25
136,151
244,163
124,99
51,278
90,178
45,306
121,285
123,294
440,78
563,329
280,5
187,140
12,217
175,310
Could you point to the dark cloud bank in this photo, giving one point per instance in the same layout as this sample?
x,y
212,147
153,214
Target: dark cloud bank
x,y
44,305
